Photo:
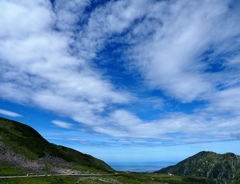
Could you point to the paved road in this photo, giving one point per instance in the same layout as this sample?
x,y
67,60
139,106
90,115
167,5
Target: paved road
x,y
56,175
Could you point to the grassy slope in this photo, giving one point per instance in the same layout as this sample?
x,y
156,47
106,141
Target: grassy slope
x,y
26,141
125,178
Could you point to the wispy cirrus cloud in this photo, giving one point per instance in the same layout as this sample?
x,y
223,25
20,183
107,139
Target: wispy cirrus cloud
x,y
39,67
171,58
9,113
185,52
62,124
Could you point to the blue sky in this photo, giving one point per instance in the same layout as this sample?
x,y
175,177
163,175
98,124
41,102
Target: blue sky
x,y
124,80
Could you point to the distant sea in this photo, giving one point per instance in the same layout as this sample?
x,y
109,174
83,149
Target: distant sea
x,y
141,167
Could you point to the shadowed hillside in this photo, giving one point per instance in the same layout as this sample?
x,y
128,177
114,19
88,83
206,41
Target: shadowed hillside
x,y
23,147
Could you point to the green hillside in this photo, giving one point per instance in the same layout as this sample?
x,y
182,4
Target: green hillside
x,y
222,168
25,141
23,150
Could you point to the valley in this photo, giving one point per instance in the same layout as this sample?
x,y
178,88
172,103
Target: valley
x,y
26,157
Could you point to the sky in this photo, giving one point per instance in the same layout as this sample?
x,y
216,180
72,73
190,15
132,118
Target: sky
x,y
124,80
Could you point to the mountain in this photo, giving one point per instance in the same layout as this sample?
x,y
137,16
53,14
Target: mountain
x,y
24,149
221,168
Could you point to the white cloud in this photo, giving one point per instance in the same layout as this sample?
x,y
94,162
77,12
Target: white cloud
x,y
47,60
38,67
9,113
226,101
234,61
16,20
69,13
62,124
170,59
112,18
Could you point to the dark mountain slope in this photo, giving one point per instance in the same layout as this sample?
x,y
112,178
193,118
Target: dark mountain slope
x,y
27,146
222,168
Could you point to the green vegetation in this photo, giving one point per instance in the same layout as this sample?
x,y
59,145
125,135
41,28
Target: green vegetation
x,y
121,178
222,168
151,178
10,170
41,180
27,142
83,159
23,150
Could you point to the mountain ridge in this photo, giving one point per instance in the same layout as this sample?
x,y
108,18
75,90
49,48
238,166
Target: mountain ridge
x,y
221,168
23,150
23,147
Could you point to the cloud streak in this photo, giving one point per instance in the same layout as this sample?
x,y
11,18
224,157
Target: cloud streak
x,y
9,113
185,52
62,124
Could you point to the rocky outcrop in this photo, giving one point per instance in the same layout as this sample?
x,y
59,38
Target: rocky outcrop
x,y
7,156
55,164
